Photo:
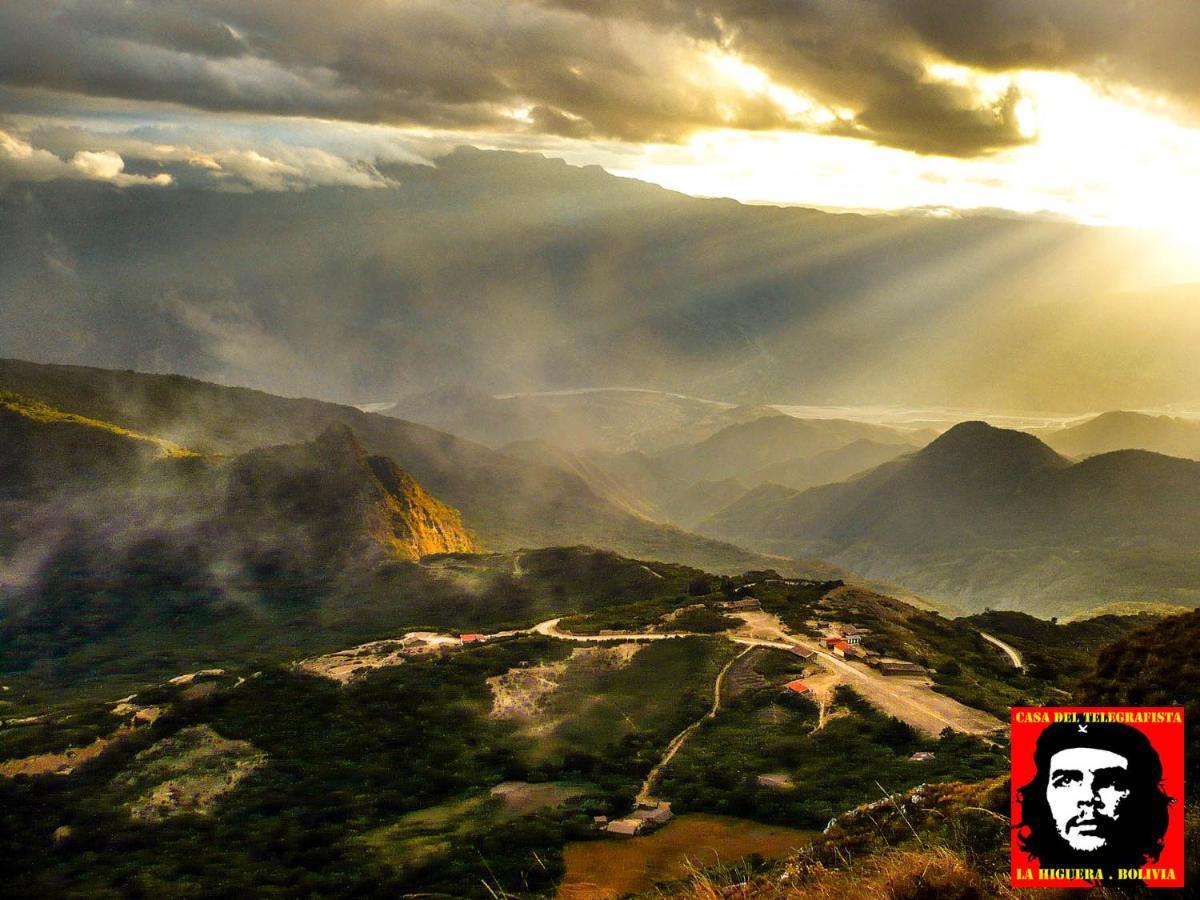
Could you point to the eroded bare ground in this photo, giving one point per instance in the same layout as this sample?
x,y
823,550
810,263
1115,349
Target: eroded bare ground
x,y
66,761
345,666
522,693
186,773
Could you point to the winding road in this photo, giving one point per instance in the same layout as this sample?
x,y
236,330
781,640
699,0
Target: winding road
x,y
1007,648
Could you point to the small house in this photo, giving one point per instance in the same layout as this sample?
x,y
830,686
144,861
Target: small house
x,y
921,756
627,827
854,639
799,687
745,604
900,667
472,638
803,652
844,650
652,816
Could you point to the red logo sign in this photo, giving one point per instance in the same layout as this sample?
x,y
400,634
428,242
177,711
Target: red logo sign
x,y
1097,796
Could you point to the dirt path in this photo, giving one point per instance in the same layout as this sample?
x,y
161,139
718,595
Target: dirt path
x,y
644,795
1007,648
549,628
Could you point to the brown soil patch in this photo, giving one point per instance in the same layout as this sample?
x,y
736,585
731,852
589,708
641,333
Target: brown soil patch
x,y
186,772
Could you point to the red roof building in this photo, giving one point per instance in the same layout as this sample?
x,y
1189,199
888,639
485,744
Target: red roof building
x,y
798,687
472,638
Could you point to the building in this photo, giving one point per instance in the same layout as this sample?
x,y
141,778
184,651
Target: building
x,y
921,756
745,604
472,638
652,817
804,652
799,687
830,640
844,650
628,827
854,639
900,667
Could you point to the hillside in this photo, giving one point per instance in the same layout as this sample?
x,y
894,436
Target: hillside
x,y
479,767
833,465
984,516
328,499
506,503
744,450
613,420
1111,431
1154,666
43,449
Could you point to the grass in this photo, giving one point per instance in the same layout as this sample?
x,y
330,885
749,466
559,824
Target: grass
x,y
37,411
639,706
838,766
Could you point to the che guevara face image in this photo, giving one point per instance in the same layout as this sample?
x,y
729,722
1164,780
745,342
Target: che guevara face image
x,y
1096,800
1087,791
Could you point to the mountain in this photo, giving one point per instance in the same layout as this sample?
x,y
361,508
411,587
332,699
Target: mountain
x,y
832,465
1111,431
610,420
745,450
985,516
629,481
703,499
335,502
506,503
514,273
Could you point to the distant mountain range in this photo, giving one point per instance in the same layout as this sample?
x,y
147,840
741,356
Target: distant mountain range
x,y
1169,435
689,482
985,516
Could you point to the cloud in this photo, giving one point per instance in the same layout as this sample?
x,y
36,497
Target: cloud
x,y
629,70
21,161
212,159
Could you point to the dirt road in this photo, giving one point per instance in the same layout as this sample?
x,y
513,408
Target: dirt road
x,y
907,698
1007,648
645,795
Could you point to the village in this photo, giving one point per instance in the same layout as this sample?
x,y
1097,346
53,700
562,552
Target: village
x,y
832,652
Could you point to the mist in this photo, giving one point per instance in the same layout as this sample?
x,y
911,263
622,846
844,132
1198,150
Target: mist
x,y
512,273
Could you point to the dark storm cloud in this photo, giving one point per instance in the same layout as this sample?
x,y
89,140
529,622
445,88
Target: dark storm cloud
x,y
635,71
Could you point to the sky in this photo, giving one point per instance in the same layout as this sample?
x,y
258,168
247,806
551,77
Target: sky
x,y
1087,110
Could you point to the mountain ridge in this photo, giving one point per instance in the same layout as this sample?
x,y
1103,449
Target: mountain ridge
x,y
986,516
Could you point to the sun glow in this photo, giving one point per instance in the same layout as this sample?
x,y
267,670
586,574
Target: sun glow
x,y
1100,157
